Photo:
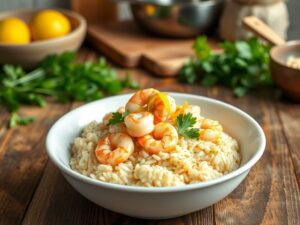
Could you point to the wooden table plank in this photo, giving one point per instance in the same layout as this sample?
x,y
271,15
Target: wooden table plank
x,y
3,128
56,202
22,161
289,113
30,194
22,157
270,194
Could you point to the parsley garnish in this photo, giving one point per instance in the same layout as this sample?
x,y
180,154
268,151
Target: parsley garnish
x,y
184,122
117,118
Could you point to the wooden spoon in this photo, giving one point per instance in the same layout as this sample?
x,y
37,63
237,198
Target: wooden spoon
x,y
262,30
287,78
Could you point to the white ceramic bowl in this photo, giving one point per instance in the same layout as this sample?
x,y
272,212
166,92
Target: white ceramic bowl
x,y
165,202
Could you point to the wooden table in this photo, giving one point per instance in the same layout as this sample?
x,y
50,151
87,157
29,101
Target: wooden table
x,y
33,191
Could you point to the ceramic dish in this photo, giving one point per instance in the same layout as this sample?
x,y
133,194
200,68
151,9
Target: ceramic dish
x,y
154,202
28,55
287,78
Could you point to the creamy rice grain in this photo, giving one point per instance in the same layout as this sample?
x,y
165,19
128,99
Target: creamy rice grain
x,y
192,161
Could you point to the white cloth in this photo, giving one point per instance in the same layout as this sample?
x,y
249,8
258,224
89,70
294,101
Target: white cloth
x,y
255,2
275,15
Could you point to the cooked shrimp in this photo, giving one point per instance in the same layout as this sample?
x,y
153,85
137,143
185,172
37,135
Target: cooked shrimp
x,y
210,124
139,124
108,116
114,149
163,138
210,130
163,107
209,135
121,109
138,102
160,104
117,128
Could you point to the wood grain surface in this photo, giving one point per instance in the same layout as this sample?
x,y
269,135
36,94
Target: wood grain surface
x,y
127,45
100,11
33,191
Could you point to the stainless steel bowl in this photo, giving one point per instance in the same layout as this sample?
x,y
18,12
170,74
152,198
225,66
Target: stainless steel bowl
x,y
177,18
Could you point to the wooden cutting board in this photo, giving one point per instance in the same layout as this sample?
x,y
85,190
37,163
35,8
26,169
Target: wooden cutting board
x,y
127,45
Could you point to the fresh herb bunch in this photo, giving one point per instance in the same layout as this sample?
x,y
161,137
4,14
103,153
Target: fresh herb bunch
x,y
243,65
58,76
184,123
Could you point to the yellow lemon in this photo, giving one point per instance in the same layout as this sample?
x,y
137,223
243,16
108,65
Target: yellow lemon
x,y
48,24
14,31
150,9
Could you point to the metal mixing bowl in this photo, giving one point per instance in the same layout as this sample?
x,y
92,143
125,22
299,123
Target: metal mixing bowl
x,y
177,18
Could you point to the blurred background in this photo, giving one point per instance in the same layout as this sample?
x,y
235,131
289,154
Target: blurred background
x,y
121,11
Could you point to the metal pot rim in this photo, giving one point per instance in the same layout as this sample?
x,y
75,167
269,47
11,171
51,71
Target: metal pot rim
x,y
168,2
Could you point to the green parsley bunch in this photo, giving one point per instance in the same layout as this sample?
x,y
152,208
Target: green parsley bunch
x,y
61,77
242,66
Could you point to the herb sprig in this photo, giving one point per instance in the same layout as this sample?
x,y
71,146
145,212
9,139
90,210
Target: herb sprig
x,y
117,118
243,65
184,123
61,77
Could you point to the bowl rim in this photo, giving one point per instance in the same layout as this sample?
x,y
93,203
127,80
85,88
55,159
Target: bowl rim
x,y
275,49
171,2
82,25
242,169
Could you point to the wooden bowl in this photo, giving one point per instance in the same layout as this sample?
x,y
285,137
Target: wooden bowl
x,y
287,78
29,55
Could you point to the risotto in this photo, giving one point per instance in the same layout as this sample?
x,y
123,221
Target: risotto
x,y
153,142
293,62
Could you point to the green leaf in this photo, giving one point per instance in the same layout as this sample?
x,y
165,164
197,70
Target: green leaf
x,y
117,118
243,49
209,80
207,66
240,91
192,133
15,120
240,62
25,120
201,47
128,82
184,122
188,73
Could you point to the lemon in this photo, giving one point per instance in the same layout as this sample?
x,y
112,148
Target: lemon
x,y
14,31
48,24
150,9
